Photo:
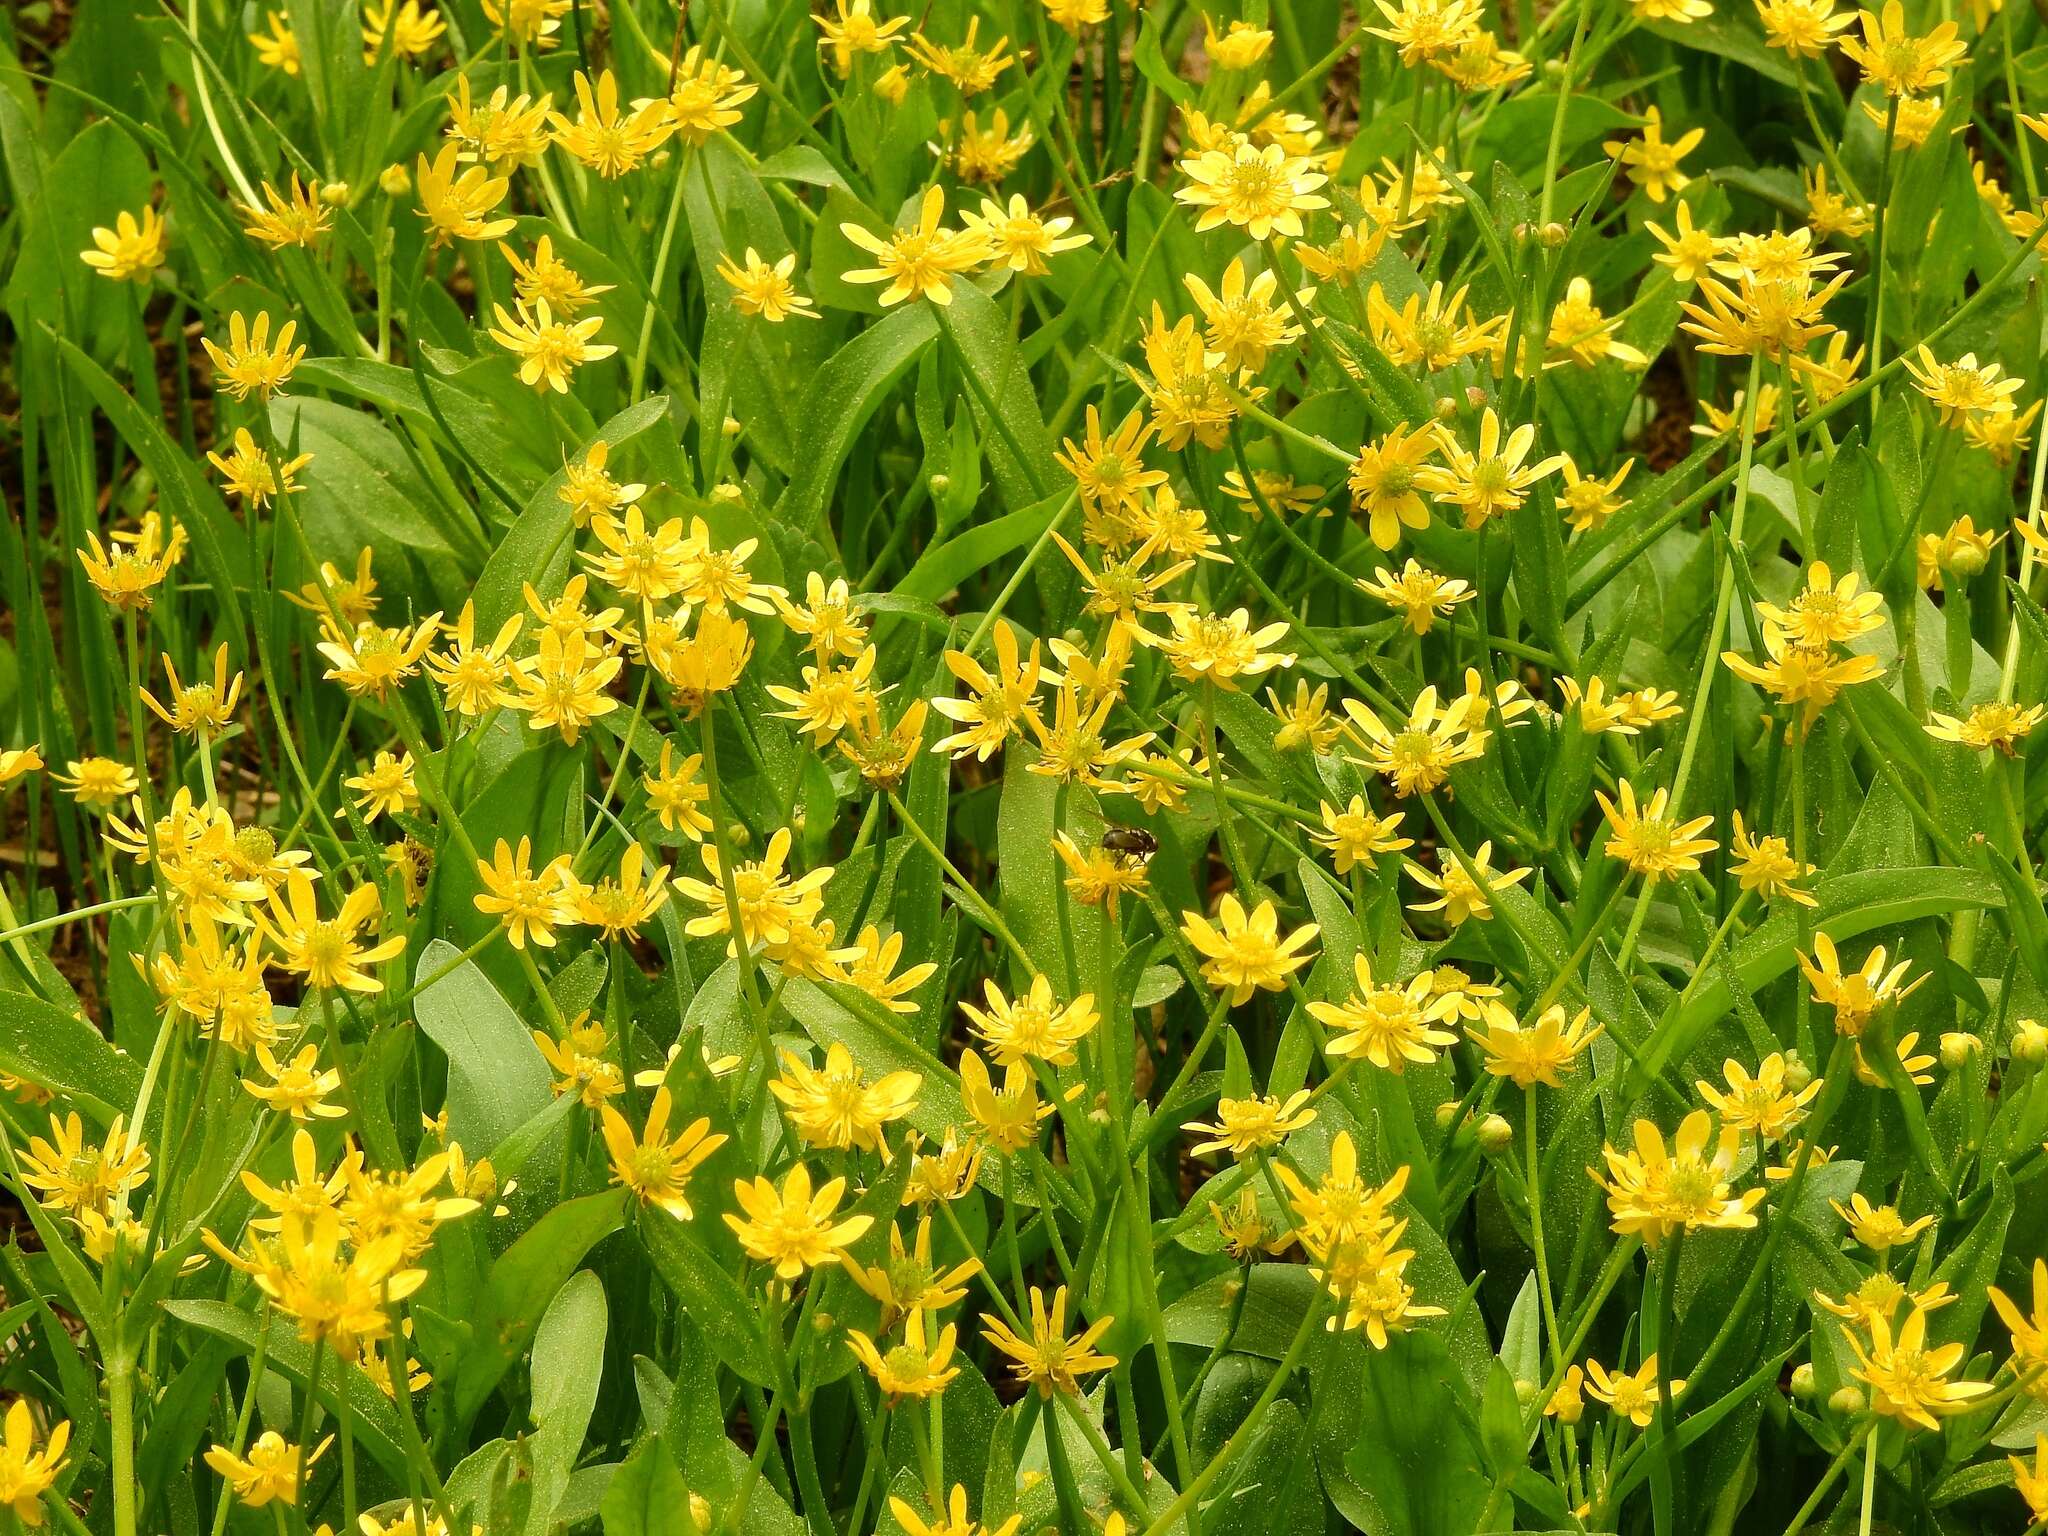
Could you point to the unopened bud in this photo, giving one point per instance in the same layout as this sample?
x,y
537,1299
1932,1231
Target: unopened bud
x,y
1446,1112
1522,232
731,426
1446,407
737,835
1966,558
1475,397
727,490
1957,1047
1802,1381
1797,1073
1846,1403
939,484
395,180
334,194
2030,1042
1554,234
1526,1393
1495,1135
700,1511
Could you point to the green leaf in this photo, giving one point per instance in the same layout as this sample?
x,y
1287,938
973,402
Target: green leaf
x,y
647,1496
568,1365
708,1292
522,1282
843,394
60,1051
498,1080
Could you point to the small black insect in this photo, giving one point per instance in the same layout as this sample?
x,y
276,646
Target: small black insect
x,y
1130,842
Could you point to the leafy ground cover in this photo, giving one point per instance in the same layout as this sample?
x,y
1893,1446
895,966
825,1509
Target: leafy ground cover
x,y
1066,765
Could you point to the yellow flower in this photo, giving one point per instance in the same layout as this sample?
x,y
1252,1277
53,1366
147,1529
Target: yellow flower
x,y
1418,594
1587,501
581,1065
527,23
1805,675
1568,1403
872,969
1243,323
1581,333
836,1107
2032,1482
770,902
919,262
28,1474
1802,28
915,1368
98,783
1631,1395
202,709
1264,191
1425,30
473,677
251,474
620,906
1896,60
338,1301
1677,12
590,491
386,787
676,793
831,698
412,31
1305,721
1651,162
132,250
1007,1119
298,219
548,277
1243,953
1854,995
764,290
909,1282
1239,46
297,1088
127,579
549,350
1463,892
704,96
1909,1381
1389,1024
1076,17
373,661
985,155
272,1469
1429,331
328,952
1385,482
1996,726
1341,1208
1537,1054
457,204
2029,1330
1356,836
792,1228
1766,865
1687,253
1651,842
1654,1193
530,905
602,140
562,687
1493,481
1879,1228
70,1173
251,362
1218,648
1017,238
1245,1126
970,70
1034,1027
1765,1104
1419,757
854,30
953,1521
1047,1359
279,47
653,1166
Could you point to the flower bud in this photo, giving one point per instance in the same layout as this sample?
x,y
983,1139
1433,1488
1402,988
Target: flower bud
x,y
939,485
395,180
1553,234
1526,1393
334,194
1475,397
731,426
1802,1381
2030,1042
1446,1112
727,490
1495,1135
737,836
1957,1047
1797,1073
1846,1403
1446,407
